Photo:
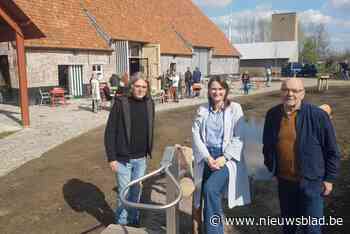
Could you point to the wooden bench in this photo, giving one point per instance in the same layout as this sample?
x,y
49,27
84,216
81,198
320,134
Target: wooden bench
x,y
322,82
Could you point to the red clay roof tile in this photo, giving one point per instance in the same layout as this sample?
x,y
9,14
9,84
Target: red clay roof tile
x,y
64,24
175,25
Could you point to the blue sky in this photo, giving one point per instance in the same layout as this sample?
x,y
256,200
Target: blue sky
x,y
335,14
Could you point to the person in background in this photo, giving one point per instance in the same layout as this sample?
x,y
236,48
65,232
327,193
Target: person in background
x,y
114,80
300,149
196,78
95,93
175,79
188,81
182,86
268,75
345,70
167,83
128,141
123,88
219,163
245,82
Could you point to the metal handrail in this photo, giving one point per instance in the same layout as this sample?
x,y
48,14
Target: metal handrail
x,y
149,206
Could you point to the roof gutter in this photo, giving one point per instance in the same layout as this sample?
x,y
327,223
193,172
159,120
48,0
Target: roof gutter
x,y
179,35
94,23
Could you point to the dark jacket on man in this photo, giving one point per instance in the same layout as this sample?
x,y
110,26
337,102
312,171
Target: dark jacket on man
x,y
316,148
188,77
196,78
119,134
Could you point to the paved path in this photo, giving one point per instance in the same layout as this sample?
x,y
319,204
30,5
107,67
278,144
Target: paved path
x,y
51,126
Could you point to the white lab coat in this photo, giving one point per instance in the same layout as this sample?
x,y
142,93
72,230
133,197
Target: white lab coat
x,y
238,192
95,89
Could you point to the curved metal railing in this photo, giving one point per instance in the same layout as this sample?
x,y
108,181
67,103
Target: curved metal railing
x,y
151,206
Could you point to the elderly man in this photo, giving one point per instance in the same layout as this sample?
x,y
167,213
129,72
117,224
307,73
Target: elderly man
x,y
300,150
128,140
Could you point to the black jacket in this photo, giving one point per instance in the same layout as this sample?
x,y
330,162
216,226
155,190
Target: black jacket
x,y
118,129
316,148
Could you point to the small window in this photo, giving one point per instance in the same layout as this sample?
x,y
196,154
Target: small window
x,y
134,50
97,69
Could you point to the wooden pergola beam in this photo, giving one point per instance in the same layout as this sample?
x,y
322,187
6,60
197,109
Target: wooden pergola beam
x,y
22,72
23,88
11,22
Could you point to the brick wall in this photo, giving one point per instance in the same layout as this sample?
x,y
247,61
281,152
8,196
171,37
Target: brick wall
x,y
42,65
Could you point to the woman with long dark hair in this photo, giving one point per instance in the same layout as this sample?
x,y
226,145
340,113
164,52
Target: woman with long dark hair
x,y
219,162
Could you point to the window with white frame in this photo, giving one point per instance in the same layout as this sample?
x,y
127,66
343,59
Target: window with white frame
x,y
134,50
97,69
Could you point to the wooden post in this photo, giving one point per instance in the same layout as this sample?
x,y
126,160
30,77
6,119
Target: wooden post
x,y
22,78
172,214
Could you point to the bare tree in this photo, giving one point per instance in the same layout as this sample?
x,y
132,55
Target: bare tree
x,y
318,32
264,30
322,40
253,30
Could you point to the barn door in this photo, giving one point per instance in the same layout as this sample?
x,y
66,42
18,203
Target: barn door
x,y
75,76
152,53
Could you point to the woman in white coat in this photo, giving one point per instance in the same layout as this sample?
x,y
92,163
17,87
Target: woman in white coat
x,y
95,93
219,163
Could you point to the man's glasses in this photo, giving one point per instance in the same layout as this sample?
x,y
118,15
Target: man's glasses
x,y
285,90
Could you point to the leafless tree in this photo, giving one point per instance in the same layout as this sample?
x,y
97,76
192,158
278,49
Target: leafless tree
x,y
264,30
318,32
253,30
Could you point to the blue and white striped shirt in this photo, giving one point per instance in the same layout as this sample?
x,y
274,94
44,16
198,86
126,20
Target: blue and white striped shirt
x,y
215,128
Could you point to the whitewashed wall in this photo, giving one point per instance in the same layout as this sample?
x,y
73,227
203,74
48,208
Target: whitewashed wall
x,y
42,65
218,65
224,65
181,63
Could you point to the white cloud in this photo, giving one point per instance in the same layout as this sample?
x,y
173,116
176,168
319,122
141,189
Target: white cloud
x,y
213,3
337,26
345,24
259,13
340,4
340,41
314,17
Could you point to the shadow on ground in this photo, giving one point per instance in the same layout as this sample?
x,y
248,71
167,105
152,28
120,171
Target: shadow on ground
x,y
87,197
11,115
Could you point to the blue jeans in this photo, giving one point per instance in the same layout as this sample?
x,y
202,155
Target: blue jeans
x,y
214,184
188,89
127,172
301,199
246,88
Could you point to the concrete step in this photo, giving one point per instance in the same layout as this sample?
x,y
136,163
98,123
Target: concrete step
x,y
113,229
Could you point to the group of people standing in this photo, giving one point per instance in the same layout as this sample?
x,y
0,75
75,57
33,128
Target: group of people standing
x,y
174,84
299,148
246,81
117,86
192,80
